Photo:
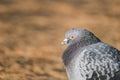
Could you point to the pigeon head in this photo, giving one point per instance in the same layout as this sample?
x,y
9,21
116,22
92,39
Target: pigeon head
x,y
80,36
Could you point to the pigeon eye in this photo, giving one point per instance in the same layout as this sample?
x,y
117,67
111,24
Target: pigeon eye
x,y
71,37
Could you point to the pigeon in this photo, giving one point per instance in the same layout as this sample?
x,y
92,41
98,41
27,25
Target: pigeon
x,y
88,58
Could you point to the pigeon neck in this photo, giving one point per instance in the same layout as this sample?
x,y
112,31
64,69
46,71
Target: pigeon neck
x,y
85,41
69,53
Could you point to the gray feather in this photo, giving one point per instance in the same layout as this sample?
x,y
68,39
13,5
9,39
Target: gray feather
x,y
88,58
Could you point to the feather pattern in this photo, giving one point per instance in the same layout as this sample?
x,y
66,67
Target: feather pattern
x,y
94,62
99,59
88,58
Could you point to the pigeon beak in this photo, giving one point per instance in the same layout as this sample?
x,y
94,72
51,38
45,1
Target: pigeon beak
x,y
65,41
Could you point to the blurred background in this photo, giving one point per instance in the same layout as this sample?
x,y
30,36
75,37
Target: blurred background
x,y
31,32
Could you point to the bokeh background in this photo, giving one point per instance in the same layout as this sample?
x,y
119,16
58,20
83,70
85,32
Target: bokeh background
x,y
31,32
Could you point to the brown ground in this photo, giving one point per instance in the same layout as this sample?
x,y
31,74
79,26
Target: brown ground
x,y
31,32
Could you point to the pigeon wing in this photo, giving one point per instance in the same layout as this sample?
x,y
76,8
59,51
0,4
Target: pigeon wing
x,y
100,62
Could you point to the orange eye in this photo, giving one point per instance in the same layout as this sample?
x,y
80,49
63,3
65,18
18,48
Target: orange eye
x,y
71,37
